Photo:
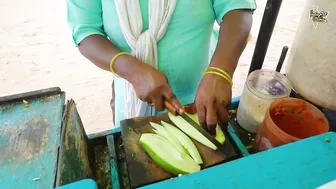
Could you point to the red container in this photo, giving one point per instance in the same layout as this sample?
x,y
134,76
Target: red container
x,y
288,120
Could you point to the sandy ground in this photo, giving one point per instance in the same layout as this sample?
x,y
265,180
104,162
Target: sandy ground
x,y
36,51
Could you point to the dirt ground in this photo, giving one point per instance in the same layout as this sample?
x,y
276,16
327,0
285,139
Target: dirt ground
x,y
36,51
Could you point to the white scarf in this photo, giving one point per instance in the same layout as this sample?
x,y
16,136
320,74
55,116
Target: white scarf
x,y
143,45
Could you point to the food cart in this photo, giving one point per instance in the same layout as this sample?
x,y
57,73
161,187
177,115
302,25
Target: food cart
x,y
43,144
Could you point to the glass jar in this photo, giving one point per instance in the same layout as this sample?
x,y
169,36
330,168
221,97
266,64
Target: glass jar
x,y
261,89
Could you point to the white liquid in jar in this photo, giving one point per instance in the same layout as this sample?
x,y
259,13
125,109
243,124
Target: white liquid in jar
x,y
251,111
261,89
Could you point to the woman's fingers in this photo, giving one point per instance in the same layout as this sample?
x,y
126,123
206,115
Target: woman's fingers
x,y
211,118
201,113
158,103
172,99
190,108
210,114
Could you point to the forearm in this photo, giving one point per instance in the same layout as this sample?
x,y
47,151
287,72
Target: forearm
x,y
100,51
233,34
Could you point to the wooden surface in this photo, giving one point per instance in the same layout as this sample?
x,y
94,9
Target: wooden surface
x,y
75,158
141,168
305,164
29,138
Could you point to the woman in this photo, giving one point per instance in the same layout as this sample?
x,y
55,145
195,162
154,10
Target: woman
x,y
170,43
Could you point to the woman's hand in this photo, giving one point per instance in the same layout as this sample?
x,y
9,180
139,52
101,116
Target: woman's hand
x,y
214,93
152,86
213,98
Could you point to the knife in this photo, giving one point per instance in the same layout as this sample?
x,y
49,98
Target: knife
x,y
200,129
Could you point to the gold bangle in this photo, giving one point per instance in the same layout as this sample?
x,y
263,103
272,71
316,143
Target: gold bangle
x,y
221,71
221,75
113,60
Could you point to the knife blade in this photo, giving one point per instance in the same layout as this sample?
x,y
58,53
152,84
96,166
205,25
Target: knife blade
x,y
200,129
205,133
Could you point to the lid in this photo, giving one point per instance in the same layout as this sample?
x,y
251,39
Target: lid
x,y
268,84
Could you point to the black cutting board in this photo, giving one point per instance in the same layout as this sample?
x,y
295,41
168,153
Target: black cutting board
x,y
142,170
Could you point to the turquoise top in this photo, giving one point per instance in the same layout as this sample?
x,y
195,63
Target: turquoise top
x,y
185,50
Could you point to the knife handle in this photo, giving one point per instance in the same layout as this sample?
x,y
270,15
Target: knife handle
x,y
170,107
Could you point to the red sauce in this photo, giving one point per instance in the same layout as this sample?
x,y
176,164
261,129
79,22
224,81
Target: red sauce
x,y
298,119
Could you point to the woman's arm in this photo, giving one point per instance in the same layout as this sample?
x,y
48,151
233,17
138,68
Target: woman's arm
x,y
86,23
100,50
151,85
214,93
233,34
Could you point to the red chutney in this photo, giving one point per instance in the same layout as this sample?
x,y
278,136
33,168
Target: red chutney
x,y
290,119
298,119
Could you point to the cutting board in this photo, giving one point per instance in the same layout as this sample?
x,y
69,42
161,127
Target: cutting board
x,y
142,170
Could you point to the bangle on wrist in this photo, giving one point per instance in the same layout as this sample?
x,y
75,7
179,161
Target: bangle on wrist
x,y
113,60
219,72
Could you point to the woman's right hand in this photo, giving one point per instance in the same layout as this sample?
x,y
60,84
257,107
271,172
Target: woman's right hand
x,y
151,85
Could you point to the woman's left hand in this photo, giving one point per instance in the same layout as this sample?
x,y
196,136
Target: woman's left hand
x,y
213,99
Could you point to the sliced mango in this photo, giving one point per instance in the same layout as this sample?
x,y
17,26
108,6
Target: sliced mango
x,y
166,155
220,137
185,141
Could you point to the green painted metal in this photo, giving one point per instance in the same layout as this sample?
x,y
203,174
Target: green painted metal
x,y
75,159
116,132
243,151
307,164
29,138
115,178
82,184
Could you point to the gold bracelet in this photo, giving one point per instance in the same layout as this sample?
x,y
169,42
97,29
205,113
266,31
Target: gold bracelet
x,y
113,60
221,75
221,71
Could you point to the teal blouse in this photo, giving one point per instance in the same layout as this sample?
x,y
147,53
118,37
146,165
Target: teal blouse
x,y
185,50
